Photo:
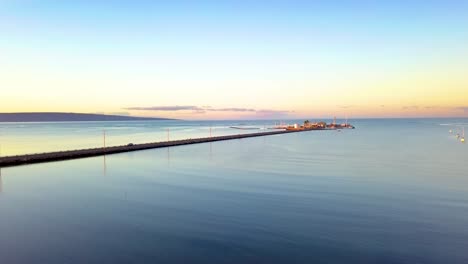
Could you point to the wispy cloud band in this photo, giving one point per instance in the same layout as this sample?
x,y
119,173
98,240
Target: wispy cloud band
x,y
204,109
165,108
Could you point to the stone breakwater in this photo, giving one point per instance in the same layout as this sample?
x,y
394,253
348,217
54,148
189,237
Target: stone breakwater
x,y
9,161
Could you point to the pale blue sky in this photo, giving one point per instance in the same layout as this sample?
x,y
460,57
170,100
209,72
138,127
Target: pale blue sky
x,y
106,56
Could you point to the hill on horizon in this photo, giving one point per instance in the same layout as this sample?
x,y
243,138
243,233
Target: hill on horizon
x,y
67,117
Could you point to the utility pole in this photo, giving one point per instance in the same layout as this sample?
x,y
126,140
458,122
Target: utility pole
x,y
168,135
210,130
104,138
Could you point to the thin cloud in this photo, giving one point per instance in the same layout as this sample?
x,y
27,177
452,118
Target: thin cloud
x,y
231,109
463,108
205,109
432,107
199,111
166,108
411,107
346,106
272,112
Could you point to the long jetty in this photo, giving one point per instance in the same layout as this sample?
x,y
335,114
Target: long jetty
x,y
9,161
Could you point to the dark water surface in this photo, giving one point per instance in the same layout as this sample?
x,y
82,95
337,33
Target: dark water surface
x,y
390,191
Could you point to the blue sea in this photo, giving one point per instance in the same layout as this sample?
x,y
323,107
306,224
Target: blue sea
x,y
389,191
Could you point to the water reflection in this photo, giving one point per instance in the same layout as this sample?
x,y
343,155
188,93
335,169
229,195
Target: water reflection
x,y
295,197
168,156
104,166
211,151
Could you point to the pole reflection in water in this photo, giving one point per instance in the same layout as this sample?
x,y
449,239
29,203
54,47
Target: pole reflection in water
x,y
104,166
168,156
1,182
211,151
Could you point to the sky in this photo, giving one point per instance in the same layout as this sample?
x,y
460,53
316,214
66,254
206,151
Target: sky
x,y
235,59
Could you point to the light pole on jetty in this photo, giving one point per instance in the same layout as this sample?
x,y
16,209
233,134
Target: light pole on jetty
x,y
104,138
168,135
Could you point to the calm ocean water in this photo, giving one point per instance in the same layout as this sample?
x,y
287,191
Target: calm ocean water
x,y
25,138
390,191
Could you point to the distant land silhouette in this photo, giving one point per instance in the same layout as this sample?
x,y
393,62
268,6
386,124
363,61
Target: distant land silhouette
x,y
67,117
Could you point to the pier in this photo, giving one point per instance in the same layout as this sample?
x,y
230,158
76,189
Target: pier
x,y
9,161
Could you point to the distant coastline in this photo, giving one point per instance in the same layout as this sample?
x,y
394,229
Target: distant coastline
x,y
67,117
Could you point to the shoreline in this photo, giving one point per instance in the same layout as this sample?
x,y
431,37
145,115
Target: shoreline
x,y
11,161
